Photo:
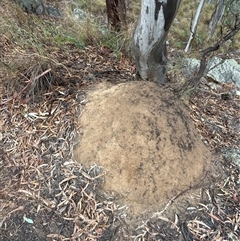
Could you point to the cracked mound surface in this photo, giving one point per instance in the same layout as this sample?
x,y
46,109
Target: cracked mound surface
x,y
144,139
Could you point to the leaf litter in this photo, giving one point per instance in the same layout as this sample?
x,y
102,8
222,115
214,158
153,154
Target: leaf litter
x,y
41,181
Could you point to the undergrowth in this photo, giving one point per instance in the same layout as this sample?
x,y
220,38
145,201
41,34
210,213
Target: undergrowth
x,y
181,29
31,40
33,44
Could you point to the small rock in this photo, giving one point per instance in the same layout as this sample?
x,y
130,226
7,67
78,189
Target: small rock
x,y
219,70
224,71
53,12
232,155
79,14
190,66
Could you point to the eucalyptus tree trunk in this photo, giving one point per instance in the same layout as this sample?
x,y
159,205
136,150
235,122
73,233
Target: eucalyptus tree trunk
x,y
116,14
216,17
194,25
149,38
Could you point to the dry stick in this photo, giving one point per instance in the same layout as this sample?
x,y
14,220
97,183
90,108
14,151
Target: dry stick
x,y
194,81
214,48
29,83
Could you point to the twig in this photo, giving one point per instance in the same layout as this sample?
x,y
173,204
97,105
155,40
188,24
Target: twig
x,y
193,82
29,83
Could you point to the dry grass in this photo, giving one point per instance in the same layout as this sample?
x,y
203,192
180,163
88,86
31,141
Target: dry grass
x,y
180,30
30,44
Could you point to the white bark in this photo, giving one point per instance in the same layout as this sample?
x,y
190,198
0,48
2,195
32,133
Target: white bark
x,y
194,25
149,39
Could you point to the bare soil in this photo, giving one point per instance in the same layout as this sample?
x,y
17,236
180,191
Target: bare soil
x,y
146,142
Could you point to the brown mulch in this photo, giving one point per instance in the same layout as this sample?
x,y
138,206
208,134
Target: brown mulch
x,y
46,195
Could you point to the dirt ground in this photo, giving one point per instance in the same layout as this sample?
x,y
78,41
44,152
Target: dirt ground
x,y
146,142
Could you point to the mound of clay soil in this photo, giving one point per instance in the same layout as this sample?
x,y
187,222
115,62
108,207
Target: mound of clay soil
x,y
144,139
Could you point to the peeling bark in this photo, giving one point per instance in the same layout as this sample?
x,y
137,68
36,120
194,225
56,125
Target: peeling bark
x,y
149,39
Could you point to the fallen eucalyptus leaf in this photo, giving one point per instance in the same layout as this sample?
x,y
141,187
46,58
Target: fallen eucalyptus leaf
x,y
28,220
